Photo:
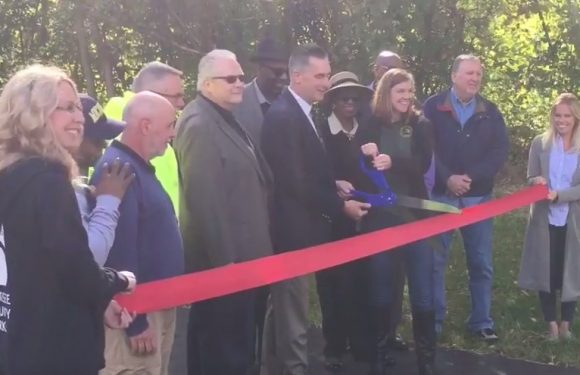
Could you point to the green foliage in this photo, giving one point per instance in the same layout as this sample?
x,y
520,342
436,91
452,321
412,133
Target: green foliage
x,y
531,49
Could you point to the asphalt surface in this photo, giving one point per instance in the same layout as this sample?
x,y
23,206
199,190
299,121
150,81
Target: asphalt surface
x,y
449,362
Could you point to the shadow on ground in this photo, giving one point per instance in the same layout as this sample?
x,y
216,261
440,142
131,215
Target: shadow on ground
x,y
449,362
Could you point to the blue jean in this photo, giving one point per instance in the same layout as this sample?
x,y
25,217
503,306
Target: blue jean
x,y
478,242
418,259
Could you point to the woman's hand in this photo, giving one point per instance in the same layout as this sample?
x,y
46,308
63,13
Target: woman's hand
x,y
539,180
382,162
131,280
370,149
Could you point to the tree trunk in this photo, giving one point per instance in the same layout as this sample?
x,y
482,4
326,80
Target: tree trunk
x,y
105,59
85,55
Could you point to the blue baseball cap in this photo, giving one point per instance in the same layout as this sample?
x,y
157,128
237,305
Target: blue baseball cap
x,y
97,125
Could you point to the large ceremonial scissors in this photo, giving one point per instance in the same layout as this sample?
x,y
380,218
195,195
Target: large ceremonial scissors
x,y
388,198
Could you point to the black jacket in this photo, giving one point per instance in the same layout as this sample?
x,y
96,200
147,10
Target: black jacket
x,y
411,151
305,199
55,292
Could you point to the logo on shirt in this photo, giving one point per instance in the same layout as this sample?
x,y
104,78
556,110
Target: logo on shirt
x,y
406,131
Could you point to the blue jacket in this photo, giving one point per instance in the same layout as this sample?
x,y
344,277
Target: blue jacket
x,y
147,241
479,149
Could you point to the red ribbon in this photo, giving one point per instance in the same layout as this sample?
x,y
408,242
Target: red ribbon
x,y
199,286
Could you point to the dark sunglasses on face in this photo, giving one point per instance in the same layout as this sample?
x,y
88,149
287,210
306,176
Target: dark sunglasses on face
x,y
346,99
278,72
232,79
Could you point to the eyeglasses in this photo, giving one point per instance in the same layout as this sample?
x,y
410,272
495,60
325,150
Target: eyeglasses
x,y
71,108
232,79
177,96
278,72
346,99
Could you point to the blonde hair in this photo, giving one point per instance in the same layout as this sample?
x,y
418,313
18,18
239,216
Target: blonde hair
x,y
574,104
382,105
26,102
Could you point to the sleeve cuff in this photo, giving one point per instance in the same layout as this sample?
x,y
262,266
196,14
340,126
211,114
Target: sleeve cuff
x,y
139,325
108,201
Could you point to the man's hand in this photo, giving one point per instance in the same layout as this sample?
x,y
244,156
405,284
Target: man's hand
x,y
552,196
538,181
459,184
382,162
144,343
370,149
117,317
344,189
115,180
355,209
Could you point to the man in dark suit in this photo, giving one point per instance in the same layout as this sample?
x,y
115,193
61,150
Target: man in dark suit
x,y
271,78
305,201
224,216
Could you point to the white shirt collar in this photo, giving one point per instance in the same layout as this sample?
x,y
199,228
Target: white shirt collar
x,y
306,108
261,98
336,127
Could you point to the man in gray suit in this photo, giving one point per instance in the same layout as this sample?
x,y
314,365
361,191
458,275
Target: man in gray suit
x,y
224,188
271,77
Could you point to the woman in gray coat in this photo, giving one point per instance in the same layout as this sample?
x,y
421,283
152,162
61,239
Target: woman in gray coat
x,y
551,256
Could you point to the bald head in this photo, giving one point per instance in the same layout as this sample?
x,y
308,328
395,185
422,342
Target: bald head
x,y
385,61
150,125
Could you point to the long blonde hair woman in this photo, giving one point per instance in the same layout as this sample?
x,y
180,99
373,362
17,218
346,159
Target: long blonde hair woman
x,y
28,107
551,257
54,291
572,104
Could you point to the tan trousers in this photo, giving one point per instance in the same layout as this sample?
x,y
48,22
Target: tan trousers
x,y
119,358
285,345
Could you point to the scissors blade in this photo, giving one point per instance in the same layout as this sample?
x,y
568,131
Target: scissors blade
x,y
424,204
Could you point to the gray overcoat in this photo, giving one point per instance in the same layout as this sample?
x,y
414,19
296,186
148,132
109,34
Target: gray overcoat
x,y
224,191
535,263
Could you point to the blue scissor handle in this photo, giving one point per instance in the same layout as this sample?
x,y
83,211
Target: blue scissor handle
x,y
386,196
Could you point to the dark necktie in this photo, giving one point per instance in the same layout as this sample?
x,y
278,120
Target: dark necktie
x,y
265,106
316,119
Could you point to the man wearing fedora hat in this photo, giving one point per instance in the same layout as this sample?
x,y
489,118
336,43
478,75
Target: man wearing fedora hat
x,y
271,58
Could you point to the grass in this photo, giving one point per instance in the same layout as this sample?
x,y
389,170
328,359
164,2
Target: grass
x,y
517,313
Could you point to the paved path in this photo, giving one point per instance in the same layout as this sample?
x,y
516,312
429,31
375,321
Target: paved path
x,y
450,362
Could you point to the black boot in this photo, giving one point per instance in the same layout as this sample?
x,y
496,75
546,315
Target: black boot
x,y
379,363
425,341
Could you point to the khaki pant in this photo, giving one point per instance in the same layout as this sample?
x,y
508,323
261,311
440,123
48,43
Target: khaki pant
x,y
120,359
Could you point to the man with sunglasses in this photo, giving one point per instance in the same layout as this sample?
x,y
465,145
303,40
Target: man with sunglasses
x,y
224,215
166,81
271,78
